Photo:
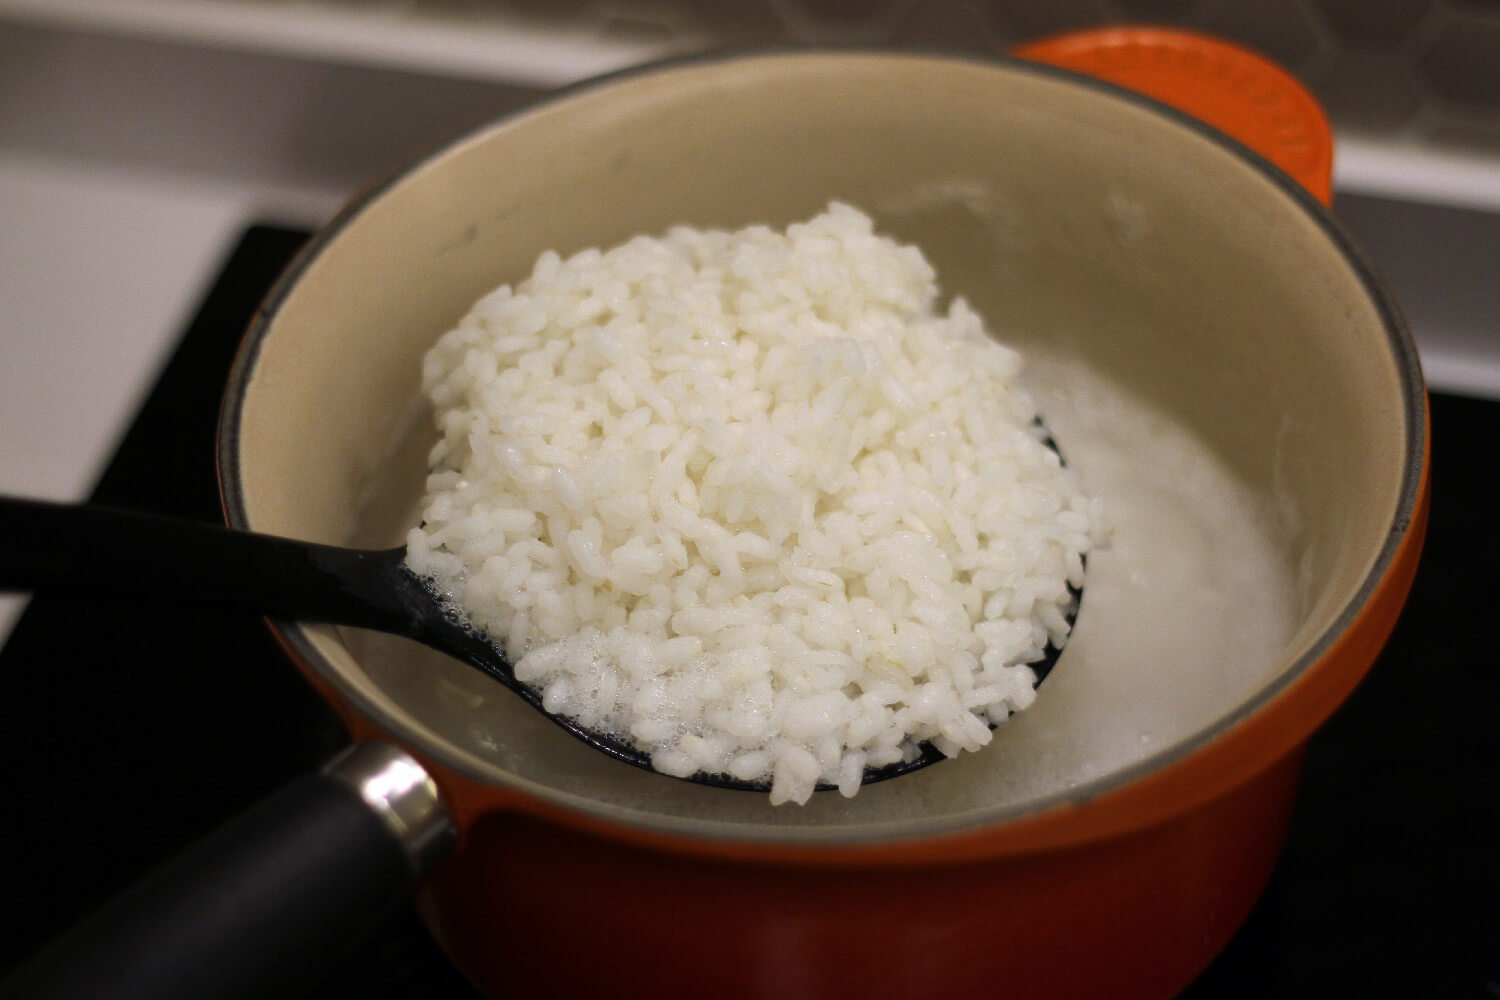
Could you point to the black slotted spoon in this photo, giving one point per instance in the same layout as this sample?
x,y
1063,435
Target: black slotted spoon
x,y
123,555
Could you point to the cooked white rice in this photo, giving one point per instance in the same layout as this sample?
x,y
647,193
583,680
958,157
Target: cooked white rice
x,y
750,500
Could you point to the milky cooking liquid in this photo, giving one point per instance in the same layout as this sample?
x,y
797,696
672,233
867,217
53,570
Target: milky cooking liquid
x,y
1185,613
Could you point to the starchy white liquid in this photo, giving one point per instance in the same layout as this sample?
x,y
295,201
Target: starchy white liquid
x,y
1185,614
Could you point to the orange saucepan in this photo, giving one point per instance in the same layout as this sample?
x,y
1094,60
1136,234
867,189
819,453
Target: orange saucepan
x,y
1145,265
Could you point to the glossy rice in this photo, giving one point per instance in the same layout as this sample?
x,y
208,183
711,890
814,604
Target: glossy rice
x,y
752,500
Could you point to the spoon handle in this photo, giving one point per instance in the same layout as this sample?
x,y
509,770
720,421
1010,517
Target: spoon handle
x,y
132,556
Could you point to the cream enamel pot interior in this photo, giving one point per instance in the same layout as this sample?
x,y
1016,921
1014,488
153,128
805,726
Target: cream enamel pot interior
x,y
1183,307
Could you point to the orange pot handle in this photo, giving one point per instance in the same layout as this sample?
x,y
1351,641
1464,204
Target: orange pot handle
x,y
1237,91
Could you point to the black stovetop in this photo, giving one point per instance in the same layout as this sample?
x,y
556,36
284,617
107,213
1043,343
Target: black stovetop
x,y
126,736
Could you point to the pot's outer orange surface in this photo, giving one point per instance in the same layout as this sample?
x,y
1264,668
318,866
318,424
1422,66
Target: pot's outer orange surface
x,y
1132,916
1229,87
1130,893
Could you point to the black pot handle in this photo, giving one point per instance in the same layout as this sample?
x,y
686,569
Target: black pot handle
x,y
284,889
